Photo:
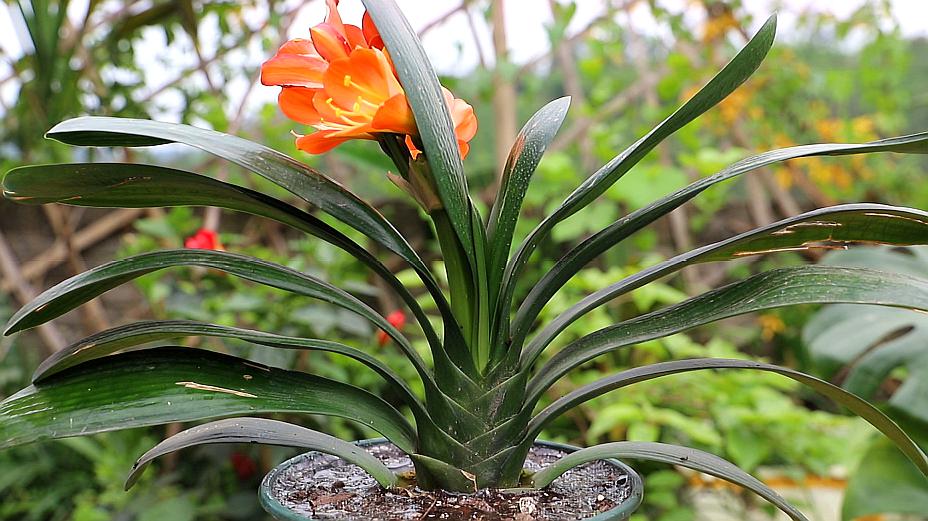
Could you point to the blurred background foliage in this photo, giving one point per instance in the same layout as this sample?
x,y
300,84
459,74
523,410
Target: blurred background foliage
x,y
844,78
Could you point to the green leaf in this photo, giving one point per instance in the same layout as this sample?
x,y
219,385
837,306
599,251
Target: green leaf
x,y
265,432
724,83
129,335
301,180
116,185
623,228
524,157
775,288
436,129
885,483
451,478
640,374
81,288
172,384
872,343
832,227
672,454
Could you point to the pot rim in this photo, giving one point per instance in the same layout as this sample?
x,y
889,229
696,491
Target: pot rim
x,y
277,510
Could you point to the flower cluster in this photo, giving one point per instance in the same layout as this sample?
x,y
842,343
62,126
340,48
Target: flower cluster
x,y
343,83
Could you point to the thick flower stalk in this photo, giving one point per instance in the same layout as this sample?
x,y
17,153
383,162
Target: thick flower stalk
x,y
342,83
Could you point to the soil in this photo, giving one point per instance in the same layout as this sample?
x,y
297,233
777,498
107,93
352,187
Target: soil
x,y
324,487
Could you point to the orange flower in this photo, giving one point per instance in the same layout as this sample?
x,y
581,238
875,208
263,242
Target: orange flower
x,y
343,84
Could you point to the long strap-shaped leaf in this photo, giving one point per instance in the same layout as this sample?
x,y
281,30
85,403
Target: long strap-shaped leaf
x,y
301,180
265,432
775,288
672,454
854,403
832,227
137,333
116,339
724,83
163,385
117,185
524,157
436,129
578,257
81,288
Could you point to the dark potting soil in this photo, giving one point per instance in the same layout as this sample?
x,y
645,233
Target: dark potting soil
x,y
324,487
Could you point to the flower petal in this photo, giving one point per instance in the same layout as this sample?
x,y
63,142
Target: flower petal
x,y
329,42
297,104
464,147
355,37
318,142
371,34
295,64
360,76
298,46
332,17
395,116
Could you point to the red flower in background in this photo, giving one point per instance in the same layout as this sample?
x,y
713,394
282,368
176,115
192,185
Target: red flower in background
x,y
243,465
203,240
396,319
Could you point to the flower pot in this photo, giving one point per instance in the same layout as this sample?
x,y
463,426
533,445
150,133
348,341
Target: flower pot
x,y
285,491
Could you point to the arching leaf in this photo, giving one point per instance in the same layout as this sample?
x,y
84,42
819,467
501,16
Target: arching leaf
x,y
833,227
265,432
640,374
672,454
775,288
738,70
172,384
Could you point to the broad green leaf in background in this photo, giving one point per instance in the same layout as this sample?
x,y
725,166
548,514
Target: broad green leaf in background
x,y
870,343
885,482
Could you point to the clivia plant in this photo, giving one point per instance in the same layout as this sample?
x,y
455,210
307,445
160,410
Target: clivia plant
x,y
483,376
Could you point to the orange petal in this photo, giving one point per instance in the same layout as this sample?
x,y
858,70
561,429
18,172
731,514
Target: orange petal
x,y
332,17
371,34
361,75
333,116
413,151
355,37
318,142
298,46
395,116
297,70
465,122
329,42
297,104
464,147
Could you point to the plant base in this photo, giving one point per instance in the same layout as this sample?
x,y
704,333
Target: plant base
x,y
316,486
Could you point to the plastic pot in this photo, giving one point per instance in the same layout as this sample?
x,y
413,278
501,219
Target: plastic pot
x,y
280,512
